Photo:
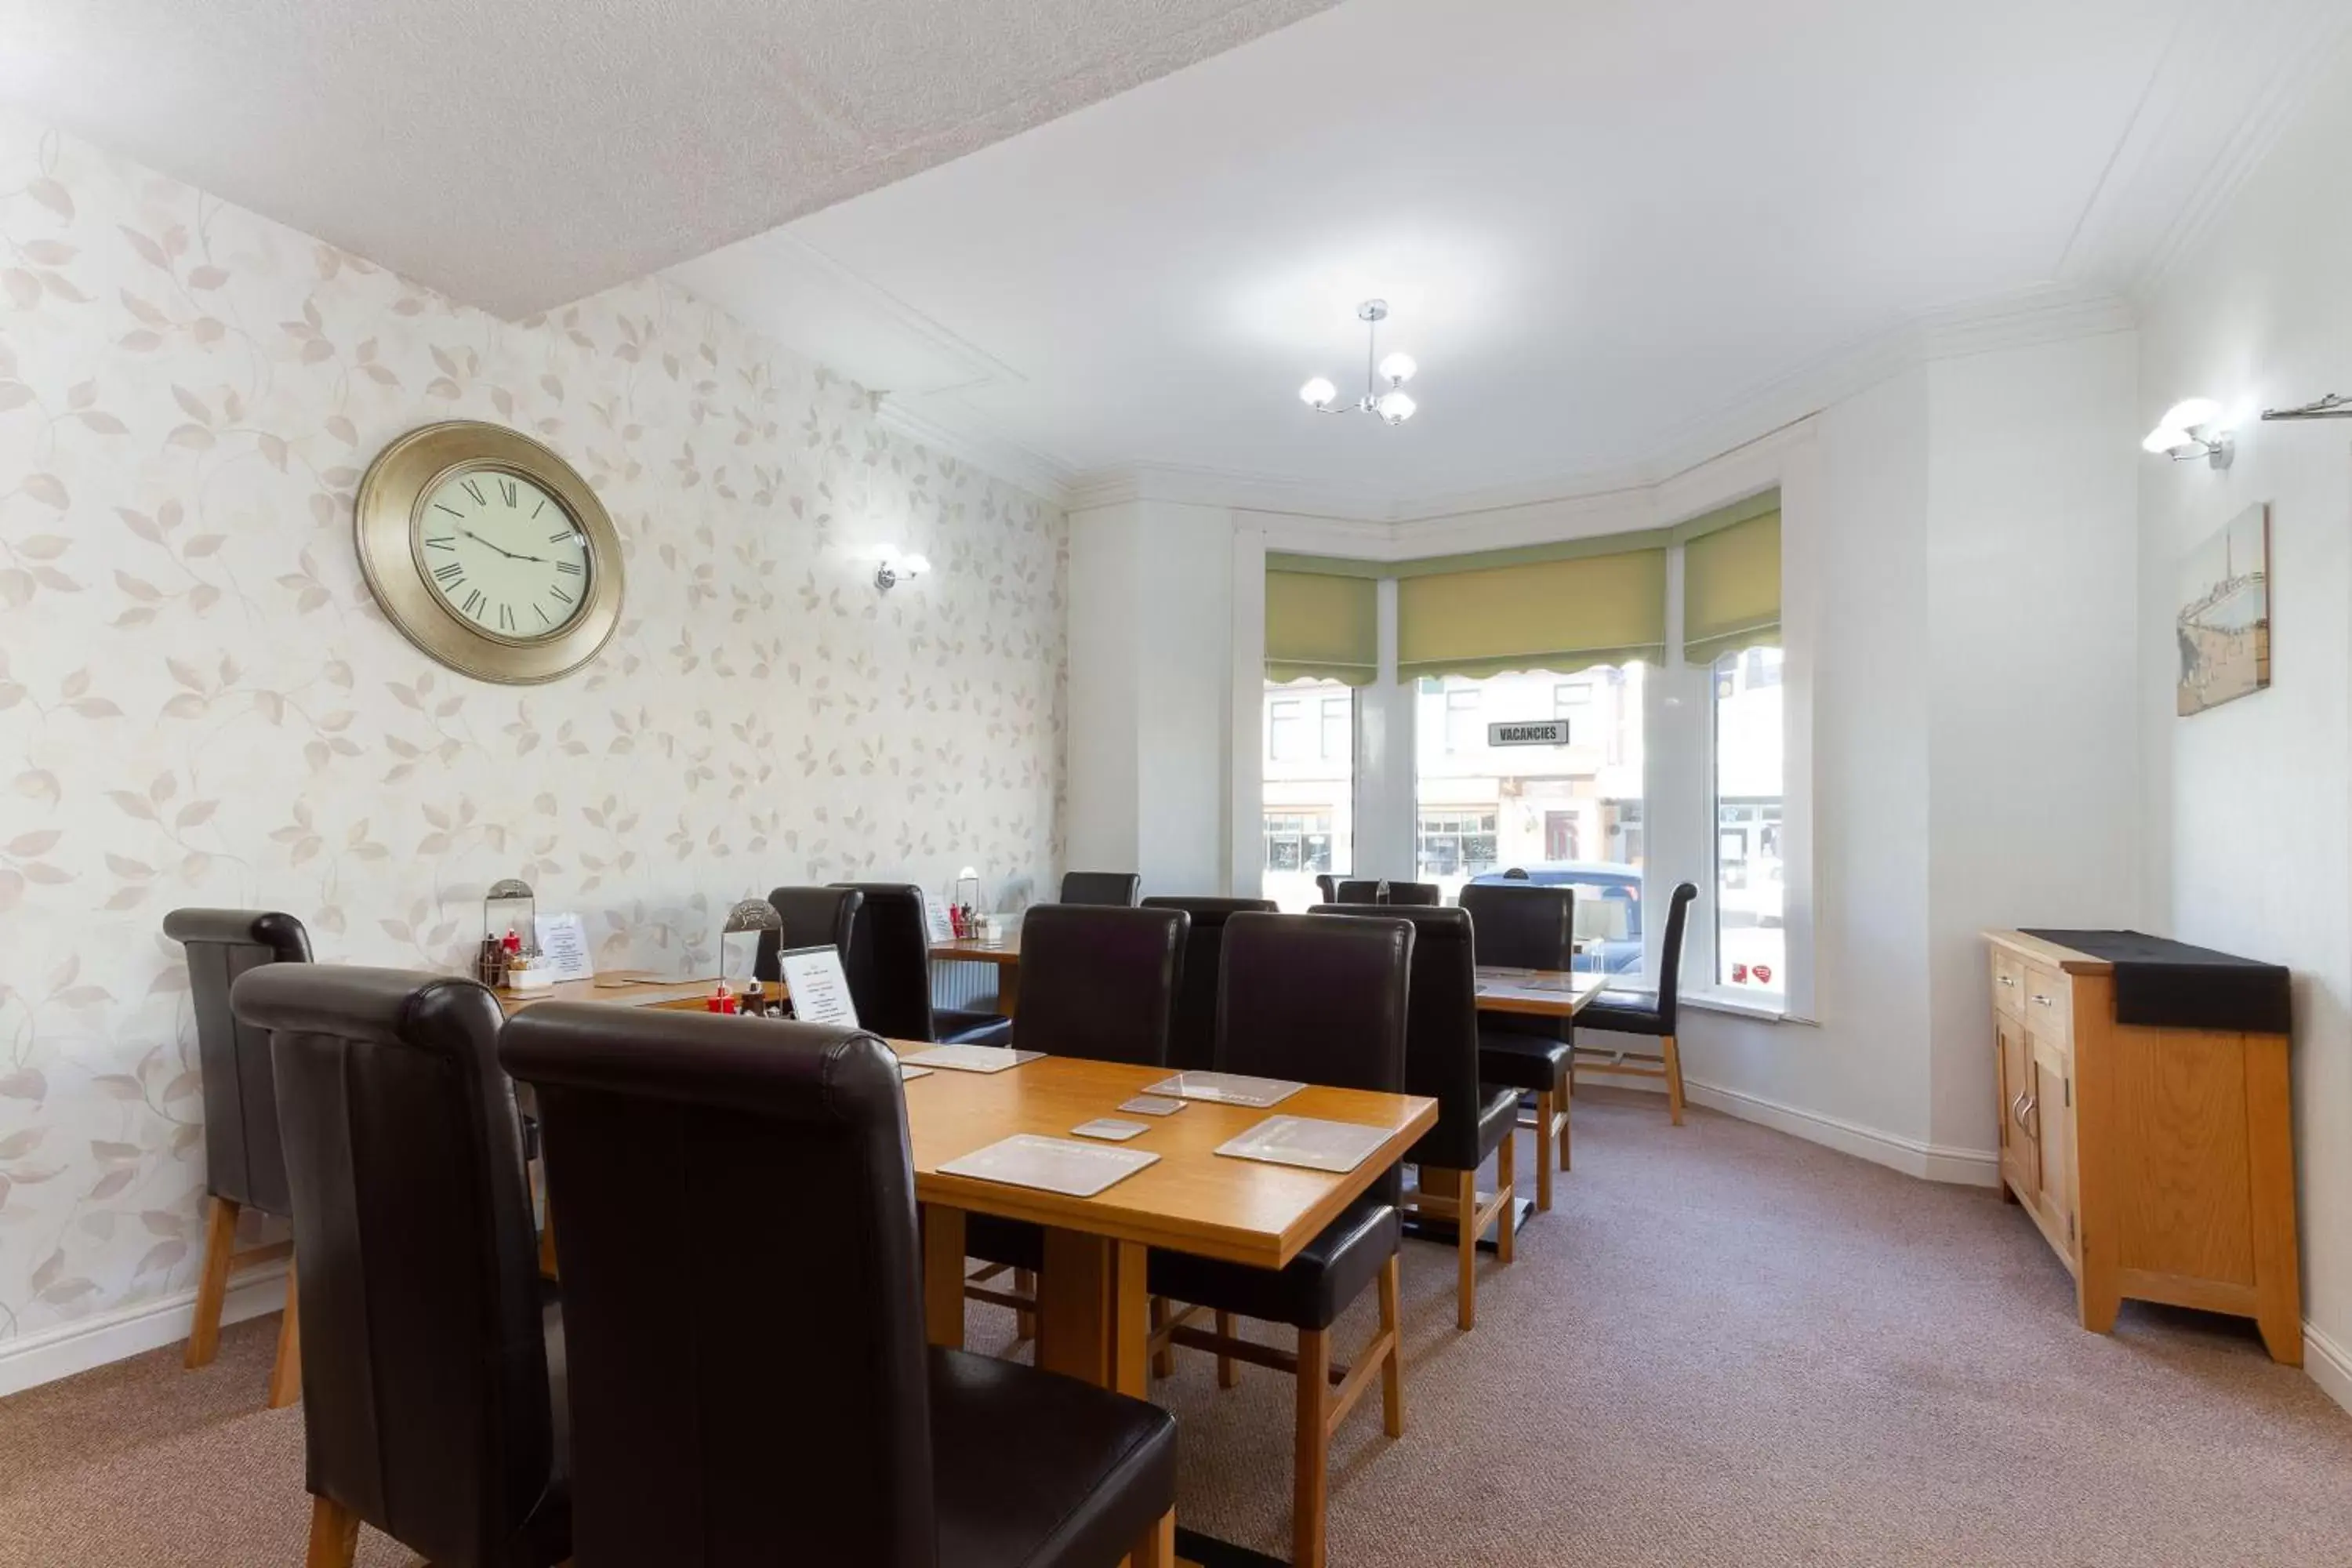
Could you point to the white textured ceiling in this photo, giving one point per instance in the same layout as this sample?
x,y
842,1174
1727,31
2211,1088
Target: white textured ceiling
x,y
1603,223
522,154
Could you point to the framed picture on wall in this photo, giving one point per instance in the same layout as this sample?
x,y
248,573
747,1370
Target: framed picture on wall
x,y
2223,625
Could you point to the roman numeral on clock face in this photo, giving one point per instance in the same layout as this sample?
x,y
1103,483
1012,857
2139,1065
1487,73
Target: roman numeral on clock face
x,y
506,617
507,491
451,574
571,566
474,603
474,489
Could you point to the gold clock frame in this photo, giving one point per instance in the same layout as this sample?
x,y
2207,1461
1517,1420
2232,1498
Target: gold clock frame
x,y
385,531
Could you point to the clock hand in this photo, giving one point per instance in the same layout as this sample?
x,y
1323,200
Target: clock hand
x,y
508,554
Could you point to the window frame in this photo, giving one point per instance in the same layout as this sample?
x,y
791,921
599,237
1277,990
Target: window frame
x,y
1676,824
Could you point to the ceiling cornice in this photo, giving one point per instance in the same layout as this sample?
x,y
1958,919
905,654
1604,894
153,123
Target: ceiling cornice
x,y
989,451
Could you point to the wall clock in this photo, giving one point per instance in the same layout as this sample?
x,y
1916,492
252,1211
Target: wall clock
x,y
489,552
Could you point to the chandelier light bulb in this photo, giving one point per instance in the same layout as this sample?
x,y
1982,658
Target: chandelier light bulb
x,y
1395,407
1398,368
1317,393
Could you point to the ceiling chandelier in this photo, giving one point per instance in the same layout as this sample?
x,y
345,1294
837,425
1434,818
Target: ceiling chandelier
x,y
1389,401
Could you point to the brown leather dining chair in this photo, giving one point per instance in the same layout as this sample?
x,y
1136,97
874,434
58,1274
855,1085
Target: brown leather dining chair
x,y
1116,888
1325,1001
245,1166
1519,925
889,965
431,1363
812,917
1101,984
1192,1037
1475,1119
746,1395
1650,1014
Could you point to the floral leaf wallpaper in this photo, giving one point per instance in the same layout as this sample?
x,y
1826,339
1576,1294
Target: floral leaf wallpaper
x,y
200,704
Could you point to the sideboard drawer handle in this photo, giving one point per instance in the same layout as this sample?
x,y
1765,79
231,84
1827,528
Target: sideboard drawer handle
x,y
2010,981
2043,1000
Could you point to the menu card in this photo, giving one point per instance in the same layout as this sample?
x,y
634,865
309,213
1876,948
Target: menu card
x,y
908,1074
563,947
1228,1089
818,989
1308,1141
1051,1164
935,920
972,1059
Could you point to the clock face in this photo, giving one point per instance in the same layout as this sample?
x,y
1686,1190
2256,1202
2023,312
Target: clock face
x,y
503,554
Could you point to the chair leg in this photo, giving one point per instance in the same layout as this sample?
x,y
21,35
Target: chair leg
x,y
286,1373
1163,1360
1309,1495
334,1535
1024,1282
1466,1246
1567,1112
1228,1370
1506,1198
212,1283
1544,1113
1158,1547
1393,1374
1673,1080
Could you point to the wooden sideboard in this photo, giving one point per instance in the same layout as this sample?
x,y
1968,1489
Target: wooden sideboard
x,y
2157,1161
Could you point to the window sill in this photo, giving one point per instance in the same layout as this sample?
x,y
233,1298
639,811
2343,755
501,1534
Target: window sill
x,y
1741,1004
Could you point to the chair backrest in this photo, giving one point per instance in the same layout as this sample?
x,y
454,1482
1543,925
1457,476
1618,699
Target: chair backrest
x,y
425,1382
1441,1037
244,1160
1356,890
889,960
1326,888
1524,926
1423,894
1193,1043
1323,1001
1670,954
812,917
1517,873
1100,983
723,1192
1120,888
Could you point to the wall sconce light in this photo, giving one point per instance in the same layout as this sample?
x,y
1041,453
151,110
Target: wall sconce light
x,y
2190,430
890,567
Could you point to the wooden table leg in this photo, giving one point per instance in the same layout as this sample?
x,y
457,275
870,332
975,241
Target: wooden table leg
x,y
1008,989
943,1275
1094,1313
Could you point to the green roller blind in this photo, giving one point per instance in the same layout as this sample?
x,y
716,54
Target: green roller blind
x,y
1320,626
1559,616
1731,589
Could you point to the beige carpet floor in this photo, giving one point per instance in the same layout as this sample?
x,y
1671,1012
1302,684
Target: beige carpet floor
x,y
1722,1346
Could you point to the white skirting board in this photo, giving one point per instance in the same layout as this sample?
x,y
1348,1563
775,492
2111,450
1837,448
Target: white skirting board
x,y
1930,1162
2329,1364
68,1348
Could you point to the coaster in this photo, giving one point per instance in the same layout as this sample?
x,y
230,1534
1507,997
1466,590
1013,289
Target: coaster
x,y
1152,1105
1108,1130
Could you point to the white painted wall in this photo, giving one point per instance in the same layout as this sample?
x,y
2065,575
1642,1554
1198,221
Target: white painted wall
x,y
1151,603
1859,1077
2032,663
2247,805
